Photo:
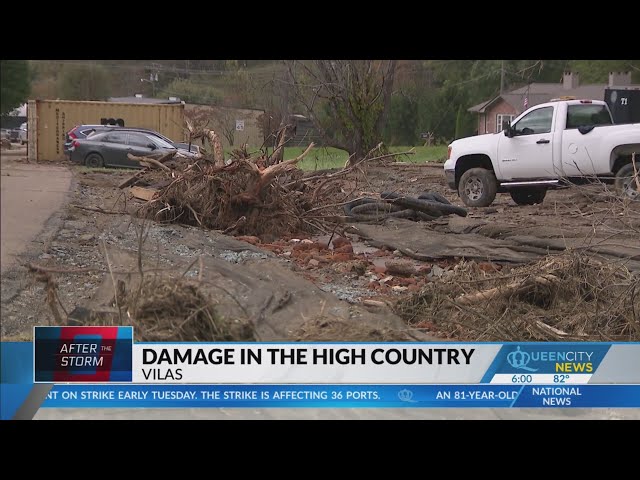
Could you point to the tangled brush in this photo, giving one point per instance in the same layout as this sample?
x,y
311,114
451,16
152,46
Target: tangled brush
x,y
565,297
166,310
243,197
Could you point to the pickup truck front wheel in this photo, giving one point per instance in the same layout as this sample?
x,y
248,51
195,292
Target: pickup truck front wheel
x,y
528,196
626,182
478,187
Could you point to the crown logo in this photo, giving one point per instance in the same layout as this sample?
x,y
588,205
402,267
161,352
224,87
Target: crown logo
x,y
520,360
405,395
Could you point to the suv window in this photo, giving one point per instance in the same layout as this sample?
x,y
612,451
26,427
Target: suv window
x,y
538,121
159,141
585,114
87,131
139,140
115,137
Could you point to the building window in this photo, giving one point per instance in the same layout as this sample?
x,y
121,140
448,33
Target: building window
x,y
502,121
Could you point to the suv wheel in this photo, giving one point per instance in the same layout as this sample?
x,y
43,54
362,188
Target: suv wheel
x,y
477,187
94,160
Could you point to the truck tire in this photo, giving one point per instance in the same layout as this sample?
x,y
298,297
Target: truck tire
x,y
528,196
625,182
478,187
94,160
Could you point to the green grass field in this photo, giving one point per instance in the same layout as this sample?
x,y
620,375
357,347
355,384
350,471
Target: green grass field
x,y
325,158
322,158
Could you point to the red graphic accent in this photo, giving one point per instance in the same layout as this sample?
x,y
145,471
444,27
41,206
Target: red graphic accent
x,y
107,349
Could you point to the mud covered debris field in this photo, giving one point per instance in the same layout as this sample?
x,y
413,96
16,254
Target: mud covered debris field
x,y
567,269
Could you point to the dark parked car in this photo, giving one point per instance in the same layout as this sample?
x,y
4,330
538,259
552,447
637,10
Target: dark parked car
x,y
110,149
80,132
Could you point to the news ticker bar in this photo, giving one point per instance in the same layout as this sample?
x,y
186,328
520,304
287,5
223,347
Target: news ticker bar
x,y
342,396
80,364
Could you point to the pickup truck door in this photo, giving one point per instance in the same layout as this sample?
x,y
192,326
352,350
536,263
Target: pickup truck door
x,y
580,152
528,155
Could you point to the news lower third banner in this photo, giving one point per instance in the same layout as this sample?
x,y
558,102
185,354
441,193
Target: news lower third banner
x,y
102,367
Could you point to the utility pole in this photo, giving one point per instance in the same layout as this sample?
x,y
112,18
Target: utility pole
x,y
502,77
152,80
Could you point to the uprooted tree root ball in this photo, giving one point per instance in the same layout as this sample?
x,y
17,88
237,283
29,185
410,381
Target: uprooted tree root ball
x,y
236,196
166,310
247,195
565,297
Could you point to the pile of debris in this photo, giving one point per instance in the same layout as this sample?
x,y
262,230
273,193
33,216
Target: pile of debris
x,y
160,308
249,194
165,310
567,297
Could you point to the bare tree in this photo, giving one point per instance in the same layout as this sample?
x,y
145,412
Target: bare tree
x,y
346,100
226,123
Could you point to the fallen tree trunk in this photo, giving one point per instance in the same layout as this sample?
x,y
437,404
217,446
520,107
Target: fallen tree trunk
x,y
147,161
269,173
507,290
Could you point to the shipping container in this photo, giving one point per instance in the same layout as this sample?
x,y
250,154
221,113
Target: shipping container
x,y
50,120
624,103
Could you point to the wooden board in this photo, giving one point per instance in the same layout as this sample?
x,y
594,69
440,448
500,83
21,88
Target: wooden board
x,y
143,193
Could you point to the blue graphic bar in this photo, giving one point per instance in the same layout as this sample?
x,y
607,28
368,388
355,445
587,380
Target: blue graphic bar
x,y
343,396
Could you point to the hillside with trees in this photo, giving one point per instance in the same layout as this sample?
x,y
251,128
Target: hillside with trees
x,y
15,84
426,95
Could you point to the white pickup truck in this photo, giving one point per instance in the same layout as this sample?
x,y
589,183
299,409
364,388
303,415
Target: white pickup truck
x,y
546,146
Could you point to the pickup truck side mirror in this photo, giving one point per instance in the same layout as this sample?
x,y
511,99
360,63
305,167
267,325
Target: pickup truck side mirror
x,y
152,146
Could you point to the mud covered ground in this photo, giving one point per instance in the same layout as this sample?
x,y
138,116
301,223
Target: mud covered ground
x,y
309,288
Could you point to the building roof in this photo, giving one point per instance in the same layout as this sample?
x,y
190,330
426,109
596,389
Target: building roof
x,y
481,107
155,101
538,93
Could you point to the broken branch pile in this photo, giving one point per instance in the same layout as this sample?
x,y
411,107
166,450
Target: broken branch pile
x,y
565,297
246,195
164,310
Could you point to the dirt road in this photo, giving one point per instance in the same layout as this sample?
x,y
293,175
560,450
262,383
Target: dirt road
x,y
30,195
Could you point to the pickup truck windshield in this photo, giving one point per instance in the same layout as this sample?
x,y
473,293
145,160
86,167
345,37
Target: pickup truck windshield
x,y
582,115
